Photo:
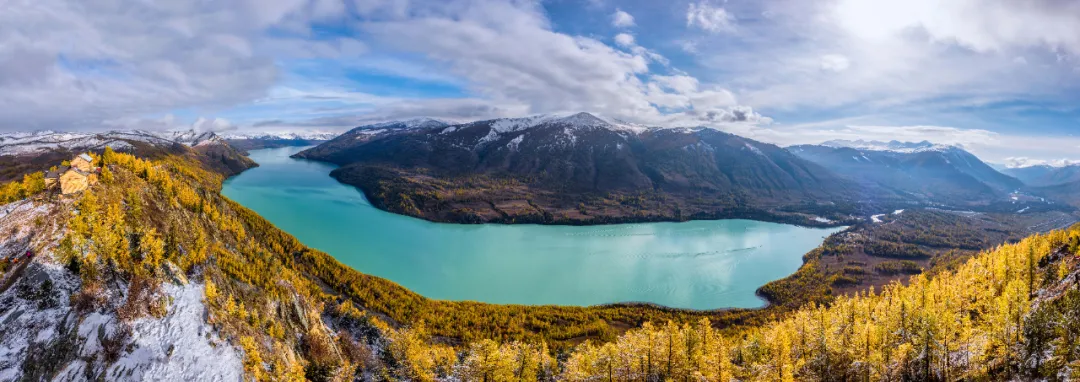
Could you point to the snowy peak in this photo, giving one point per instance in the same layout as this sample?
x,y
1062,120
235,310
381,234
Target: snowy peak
x,y
284,135
23,143
894,145
577,120
407,124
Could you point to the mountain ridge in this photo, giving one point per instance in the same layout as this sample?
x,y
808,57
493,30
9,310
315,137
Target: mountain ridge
x,y
567,167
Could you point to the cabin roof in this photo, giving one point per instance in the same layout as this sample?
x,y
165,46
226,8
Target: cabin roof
x,y
56,174
86,157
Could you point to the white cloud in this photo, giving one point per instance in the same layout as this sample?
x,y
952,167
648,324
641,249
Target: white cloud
x,y
688,46
74,64
509,55
170,122
979,25
621,19
834,62
710,18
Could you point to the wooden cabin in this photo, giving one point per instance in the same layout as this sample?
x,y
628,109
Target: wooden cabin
x,y
83,162
75,178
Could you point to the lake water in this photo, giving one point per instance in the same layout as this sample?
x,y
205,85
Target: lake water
x,y
698,264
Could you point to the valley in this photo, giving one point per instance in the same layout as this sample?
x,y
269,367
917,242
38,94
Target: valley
x,y
702,265
156,232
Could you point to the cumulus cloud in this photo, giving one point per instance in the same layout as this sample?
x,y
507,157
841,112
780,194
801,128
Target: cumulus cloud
x,y
511,56
622,19
73,64
708,17
170,122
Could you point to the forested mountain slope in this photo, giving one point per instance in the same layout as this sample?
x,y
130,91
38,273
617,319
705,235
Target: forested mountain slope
x,y
581,169
1045,175
930,174
152,274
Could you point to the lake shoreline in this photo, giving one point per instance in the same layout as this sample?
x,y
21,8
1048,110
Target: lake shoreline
x,y
732,295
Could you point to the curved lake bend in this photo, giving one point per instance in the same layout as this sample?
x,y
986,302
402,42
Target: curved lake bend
x,y
697,265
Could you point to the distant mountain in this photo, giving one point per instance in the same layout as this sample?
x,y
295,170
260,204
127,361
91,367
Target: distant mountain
x,y
1045,175
894,145
23,143
285,135
367,132
574,168
32,150
255,141
931,173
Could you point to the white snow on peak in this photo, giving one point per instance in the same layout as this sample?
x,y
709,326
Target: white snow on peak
x,y
413,123
283,135
506,125
28,143
567,120
894,146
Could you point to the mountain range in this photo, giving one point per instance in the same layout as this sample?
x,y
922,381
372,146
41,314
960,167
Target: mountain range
x,y
152,274
923,171
583,169
573,167
24,152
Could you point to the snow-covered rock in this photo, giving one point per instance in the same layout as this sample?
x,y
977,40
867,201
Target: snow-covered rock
x,y
180,346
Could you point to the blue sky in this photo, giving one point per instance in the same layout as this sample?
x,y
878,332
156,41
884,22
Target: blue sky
x,y
999,77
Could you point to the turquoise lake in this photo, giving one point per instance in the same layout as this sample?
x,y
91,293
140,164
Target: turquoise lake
x,y
697,265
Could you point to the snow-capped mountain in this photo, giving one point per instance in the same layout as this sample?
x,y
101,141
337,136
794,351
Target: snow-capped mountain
x,y
1046,175
29,143
943,174
283,135
24,144
894,145
408,124
565,156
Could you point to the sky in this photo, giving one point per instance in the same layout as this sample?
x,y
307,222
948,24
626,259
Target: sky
x,y
1000,77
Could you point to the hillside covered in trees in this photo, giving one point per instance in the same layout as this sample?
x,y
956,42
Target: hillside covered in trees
x,y
152,272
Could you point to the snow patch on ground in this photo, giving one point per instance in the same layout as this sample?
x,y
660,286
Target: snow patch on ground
x,y
25,325
876,218
820,219
897,212
754,149
514,143
196,354
491,136
1023,210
